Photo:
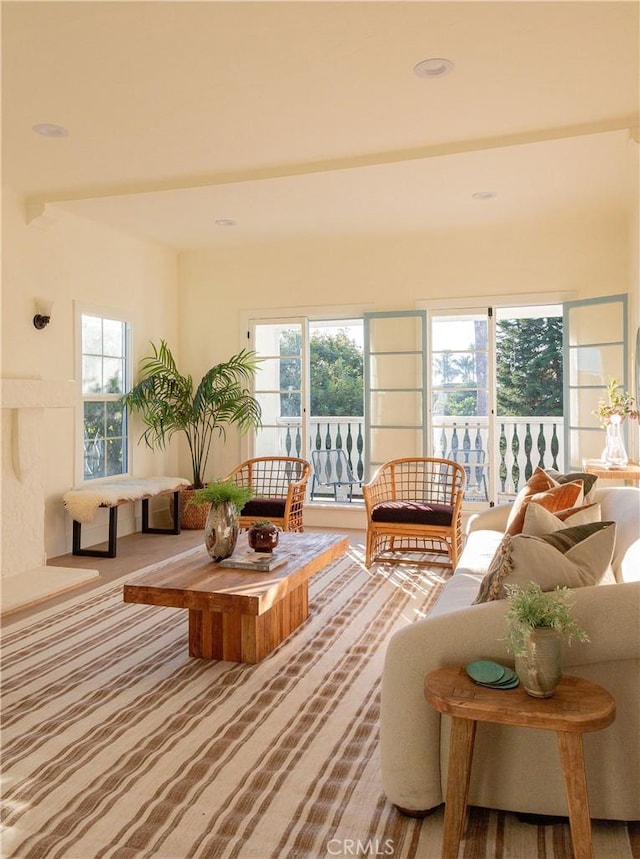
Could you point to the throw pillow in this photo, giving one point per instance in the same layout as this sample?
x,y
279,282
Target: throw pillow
x,y
538,482
588,480
539,521
560,497
572,557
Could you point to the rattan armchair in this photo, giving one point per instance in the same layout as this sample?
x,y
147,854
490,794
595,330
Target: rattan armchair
x,y
414,512
279,484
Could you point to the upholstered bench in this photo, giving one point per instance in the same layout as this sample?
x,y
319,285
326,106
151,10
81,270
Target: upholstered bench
x,y
81,505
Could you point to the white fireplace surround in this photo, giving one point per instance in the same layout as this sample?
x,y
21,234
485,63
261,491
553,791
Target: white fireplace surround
x,y
25,578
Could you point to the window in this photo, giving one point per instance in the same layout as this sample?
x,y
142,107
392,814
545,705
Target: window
x,y
105,374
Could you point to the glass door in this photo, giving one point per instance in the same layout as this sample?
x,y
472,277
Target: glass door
x,y
395,372
280,388
461,397
595,351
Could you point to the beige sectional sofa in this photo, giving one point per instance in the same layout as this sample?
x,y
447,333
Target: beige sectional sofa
x,y
517,769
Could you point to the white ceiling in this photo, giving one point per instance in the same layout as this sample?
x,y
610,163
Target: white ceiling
x,y
305,118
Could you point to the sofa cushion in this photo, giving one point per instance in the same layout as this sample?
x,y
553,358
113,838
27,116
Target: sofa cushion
x,y
538,520
560,497
413,513
571,557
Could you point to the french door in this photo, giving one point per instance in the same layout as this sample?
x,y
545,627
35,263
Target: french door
x,y
281,388
501,390
595,351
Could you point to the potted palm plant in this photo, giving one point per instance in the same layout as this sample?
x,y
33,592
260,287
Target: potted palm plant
x,y
537,621
168,403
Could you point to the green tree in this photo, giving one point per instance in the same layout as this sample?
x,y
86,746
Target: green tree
x,y
336,375
529,366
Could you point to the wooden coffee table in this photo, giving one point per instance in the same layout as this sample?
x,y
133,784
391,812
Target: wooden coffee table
x,y
240,615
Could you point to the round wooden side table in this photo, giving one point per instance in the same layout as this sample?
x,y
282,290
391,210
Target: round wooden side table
x,y
577,706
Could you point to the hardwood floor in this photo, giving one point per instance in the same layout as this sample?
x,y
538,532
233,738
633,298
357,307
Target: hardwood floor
x,y
135,551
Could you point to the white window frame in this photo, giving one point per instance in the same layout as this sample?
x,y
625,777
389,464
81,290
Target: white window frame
x,y
103,312
304,315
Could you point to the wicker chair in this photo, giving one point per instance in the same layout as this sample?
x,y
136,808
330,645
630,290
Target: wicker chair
x,y
414,507
279,484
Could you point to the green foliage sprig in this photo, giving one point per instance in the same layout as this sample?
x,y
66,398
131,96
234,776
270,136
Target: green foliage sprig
x,y
532,608
617,403
219,491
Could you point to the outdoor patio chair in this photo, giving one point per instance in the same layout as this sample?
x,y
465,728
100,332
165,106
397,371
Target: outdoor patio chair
x,y
331,469
279,484
414,511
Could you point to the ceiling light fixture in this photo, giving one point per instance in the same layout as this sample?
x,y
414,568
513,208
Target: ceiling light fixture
x,y
484,195
49,129
436,67
225,222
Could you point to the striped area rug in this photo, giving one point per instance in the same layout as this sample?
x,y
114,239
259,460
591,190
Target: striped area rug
x,y
116,744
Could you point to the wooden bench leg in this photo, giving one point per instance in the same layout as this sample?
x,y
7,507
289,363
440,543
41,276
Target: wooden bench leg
x,y
176,517
97,553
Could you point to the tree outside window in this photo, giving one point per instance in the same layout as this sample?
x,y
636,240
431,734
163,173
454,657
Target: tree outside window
x,y
336,374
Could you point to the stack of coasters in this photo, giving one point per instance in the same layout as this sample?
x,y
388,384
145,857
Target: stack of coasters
x,y
492,674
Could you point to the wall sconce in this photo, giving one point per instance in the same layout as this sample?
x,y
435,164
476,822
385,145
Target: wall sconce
x,y
43,314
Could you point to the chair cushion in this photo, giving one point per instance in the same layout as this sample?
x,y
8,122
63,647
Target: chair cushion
x,y
412,513
265,508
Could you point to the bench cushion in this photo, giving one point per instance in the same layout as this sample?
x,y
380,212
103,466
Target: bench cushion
x,y
81,504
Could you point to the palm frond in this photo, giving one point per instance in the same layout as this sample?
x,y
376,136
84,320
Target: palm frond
x,y
166,402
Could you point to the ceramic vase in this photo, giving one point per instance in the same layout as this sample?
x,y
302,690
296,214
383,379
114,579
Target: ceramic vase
x,y
614,454
263,538
539,668
221,530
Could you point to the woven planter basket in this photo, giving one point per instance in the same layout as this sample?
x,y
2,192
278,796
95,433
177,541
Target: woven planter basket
x,y
193,517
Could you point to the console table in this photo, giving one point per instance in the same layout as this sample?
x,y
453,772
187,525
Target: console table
x,y
577,706
629,474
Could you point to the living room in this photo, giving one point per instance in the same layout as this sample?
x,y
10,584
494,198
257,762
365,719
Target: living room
x,y
205,165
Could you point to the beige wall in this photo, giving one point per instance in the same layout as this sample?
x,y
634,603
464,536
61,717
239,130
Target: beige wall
x,y
68,260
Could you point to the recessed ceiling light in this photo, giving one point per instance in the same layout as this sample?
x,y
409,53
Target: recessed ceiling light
x,y
484,195
436,67
225,222
48,129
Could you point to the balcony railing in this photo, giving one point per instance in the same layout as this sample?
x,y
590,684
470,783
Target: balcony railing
x,y
524,443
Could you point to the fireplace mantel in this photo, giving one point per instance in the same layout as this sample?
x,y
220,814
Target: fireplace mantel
x,y
37,393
